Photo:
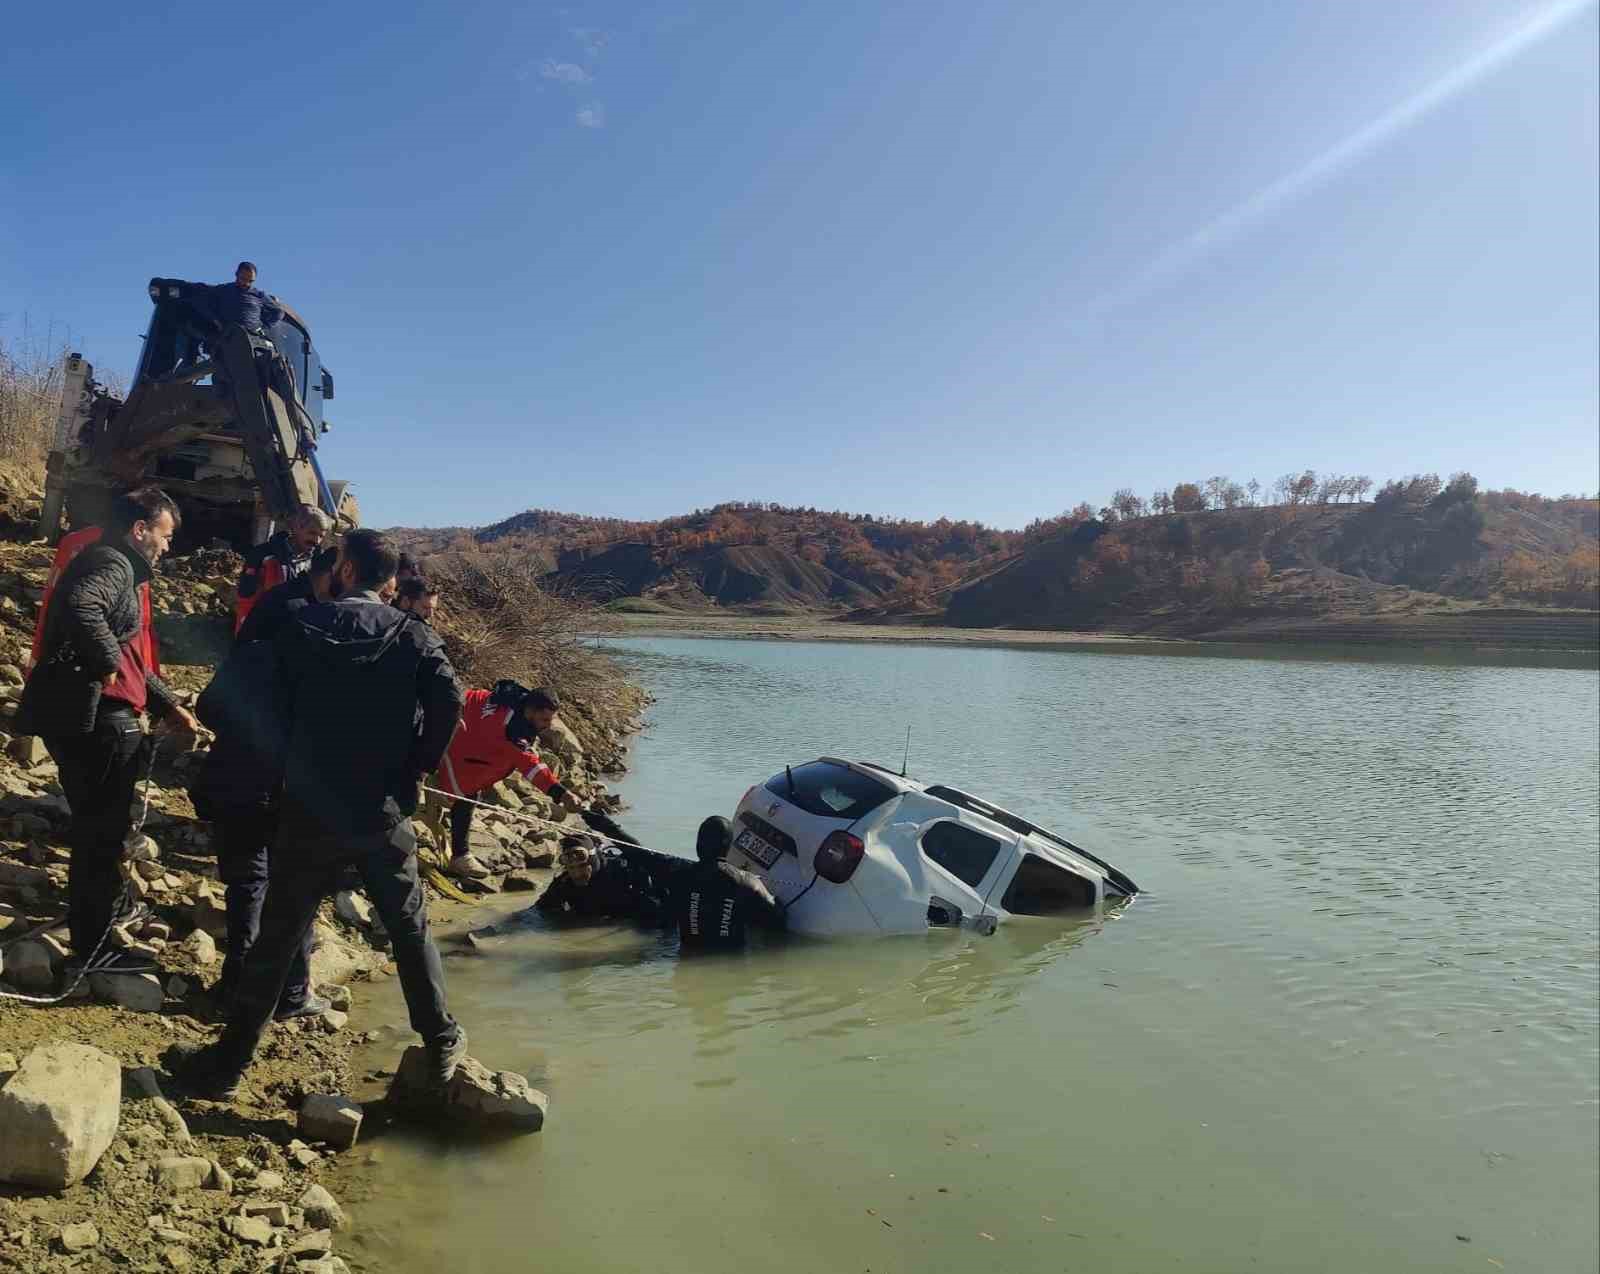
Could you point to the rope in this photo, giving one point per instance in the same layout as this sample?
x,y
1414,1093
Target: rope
x,y
442,883
122,906
436,878
524,817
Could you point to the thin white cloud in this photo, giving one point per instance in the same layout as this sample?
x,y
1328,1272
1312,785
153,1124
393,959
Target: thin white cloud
x,y
563,72
1188,252
591,116
592,39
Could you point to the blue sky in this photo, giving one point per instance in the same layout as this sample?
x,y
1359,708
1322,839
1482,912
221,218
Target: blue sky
x,y
976,259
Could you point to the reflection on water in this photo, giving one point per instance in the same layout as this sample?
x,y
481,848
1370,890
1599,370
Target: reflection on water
x,y
1355,1015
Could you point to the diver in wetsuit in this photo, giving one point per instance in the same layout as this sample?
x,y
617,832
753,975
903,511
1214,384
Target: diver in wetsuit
x,y
609,882
715,903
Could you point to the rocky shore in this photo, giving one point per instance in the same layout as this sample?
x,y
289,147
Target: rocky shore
x,y
136,1176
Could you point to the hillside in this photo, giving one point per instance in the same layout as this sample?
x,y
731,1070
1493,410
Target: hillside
x,y
1208,562
1396,566
760,556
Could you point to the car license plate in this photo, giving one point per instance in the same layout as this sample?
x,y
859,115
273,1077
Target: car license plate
x,y
758,849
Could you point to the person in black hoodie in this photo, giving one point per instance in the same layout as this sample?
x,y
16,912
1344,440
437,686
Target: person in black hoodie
x,y
370,702
85,697
237,788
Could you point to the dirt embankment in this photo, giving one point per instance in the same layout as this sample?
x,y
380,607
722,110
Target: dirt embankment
x,y
1492,633
144,1216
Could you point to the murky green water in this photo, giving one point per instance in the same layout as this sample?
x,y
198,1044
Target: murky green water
x,y
1352,1026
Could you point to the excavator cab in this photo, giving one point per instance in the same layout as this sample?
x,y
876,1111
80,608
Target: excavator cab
x,y
225,420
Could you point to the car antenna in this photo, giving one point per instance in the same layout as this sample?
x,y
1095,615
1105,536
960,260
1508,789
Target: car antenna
x,y
905,764
789,774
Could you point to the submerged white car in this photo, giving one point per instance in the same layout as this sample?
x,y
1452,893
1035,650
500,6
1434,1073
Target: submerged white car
x,y
854,848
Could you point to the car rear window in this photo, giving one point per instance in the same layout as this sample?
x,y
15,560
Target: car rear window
x,y
1043,889
833,791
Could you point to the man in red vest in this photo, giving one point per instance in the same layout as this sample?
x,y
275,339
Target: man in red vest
x,y
86,698
285,556
493,740
71,545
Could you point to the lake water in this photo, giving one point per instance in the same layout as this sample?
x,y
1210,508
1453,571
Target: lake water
x,y
1350,1026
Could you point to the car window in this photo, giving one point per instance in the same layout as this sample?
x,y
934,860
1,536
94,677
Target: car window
x,y
833,791
1041,888
965,854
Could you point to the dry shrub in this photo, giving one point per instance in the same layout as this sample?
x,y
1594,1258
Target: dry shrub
x,y
30,397
497,621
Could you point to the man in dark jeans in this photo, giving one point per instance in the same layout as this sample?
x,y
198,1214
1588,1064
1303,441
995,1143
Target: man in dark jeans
x,y
85,698
237,789
371,702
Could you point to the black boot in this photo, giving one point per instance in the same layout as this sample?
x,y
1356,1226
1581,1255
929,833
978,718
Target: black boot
x,y
211,1071
445,1053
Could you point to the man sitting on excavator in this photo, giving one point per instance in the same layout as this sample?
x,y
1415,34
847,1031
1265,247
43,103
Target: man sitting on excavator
x,y
283,557
242,303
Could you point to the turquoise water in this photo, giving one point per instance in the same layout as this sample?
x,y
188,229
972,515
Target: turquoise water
x,y
1350,1026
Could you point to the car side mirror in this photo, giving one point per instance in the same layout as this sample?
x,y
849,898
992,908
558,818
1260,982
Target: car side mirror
x,y
327,383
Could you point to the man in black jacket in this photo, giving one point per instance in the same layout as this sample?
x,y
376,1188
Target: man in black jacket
x,y
278,604
371,702
237,788
717,902
85,698
237,791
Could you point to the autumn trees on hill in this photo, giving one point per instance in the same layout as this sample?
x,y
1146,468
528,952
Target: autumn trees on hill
x,y
1156,542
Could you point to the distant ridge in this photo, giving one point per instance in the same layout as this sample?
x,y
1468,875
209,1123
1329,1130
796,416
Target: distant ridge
x,y
1421,547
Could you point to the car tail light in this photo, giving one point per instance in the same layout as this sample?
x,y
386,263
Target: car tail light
x,y
839,857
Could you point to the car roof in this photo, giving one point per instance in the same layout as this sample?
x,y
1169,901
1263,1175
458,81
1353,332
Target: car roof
x,y
1039,839
893,778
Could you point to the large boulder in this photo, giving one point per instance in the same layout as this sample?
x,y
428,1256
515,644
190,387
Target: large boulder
x,y
200,947
31,965
211,911
335,960
28,751
58,1113
352,908
559,743
181,1172
331,1118
322,1209
137,992
20,875
476,1097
